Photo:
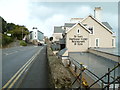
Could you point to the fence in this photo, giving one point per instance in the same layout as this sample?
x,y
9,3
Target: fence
x,y
105,82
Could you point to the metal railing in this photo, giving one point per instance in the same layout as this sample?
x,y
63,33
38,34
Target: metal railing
x,y
104,84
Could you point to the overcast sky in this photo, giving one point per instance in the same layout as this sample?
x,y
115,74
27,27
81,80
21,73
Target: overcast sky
x,y
46,15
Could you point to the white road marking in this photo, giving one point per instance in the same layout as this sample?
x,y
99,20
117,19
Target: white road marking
x,y
11,53
15,51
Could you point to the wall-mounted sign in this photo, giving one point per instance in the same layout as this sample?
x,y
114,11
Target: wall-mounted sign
x,y
78,40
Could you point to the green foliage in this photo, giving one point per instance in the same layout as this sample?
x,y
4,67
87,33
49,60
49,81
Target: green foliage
x,y
18,31
4,23
15,30
10,26
0,40
23,43
6,40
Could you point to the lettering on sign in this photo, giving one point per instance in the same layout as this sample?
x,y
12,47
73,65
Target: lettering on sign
x,y
78,40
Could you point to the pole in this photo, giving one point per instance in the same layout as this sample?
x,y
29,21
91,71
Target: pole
x,y
108,78
114,82
22,33
81,77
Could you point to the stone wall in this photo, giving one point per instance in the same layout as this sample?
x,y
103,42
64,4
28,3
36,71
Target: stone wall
x,y
59,76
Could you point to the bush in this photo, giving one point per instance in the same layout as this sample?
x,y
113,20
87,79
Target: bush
x,y
23,43
6,40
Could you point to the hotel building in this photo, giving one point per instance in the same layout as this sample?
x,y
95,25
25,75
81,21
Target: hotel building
x,y
84,33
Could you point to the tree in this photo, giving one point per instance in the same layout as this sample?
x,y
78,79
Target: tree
x,y
10,26
18,31
4,24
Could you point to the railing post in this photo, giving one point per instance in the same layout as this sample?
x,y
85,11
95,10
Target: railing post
x,y
102,85
114,79
119,84
81,76
108,78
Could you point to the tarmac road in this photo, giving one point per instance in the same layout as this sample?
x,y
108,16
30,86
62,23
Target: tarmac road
x,y
29,62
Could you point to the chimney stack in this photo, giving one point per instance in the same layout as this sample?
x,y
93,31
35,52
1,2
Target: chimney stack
x,y
97,13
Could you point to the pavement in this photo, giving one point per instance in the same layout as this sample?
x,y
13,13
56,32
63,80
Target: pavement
x,y
35,61
37,75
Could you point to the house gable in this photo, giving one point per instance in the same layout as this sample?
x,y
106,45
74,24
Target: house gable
x,y
100,31
80,26
77,38
97,21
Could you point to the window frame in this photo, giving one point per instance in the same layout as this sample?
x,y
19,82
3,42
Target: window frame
x,y
113,42
79,31
98,42
93,31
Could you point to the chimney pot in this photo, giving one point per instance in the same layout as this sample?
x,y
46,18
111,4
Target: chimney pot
x,y
97,13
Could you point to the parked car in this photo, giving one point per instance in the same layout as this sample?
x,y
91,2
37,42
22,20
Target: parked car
x,y
40,44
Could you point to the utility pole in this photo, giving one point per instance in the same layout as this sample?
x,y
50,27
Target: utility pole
x,y
22,33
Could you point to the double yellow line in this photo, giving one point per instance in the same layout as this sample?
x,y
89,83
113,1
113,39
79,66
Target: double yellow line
x,y
17,75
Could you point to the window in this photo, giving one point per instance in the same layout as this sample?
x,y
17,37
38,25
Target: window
x,y
78,31
85,24
91,29
113,42
97,42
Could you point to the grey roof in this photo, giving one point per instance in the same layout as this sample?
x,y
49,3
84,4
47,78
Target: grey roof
x,y
40,31
69,24
58,29
31,31
107,25
62,51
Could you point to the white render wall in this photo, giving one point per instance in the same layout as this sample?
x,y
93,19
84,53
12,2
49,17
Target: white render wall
x,y
35,35
98,13
104,36
56,36
77,48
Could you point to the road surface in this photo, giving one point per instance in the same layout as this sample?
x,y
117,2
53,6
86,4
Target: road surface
x,y
28,62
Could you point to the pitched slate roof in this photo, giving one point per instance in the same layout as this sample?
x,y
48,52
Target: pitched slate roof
x,y
40,31
107,25
99,23
81,26
69,24
58,29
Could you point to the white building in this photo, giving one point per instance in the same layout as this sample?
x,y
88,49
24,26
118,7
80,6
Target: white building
x,y
89,32
57,35
36,36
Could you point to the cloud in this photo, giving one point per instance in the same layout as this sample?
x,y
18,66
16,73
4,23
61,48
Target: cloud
x,y
47,15
14,10
41,12
112,19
